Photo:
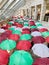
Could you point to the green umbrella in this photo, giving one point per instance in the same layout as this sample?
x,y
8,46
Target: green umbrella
x,y
25,37
17,32
26,24
8,45
39,25
21,58
17,20
45,34
33,27
25,20
12,29
10,23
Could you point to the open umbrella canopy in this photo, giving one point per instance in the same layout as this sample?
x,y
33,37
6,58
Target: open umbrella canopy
x,y
12,29
26,24
26,32
23,45
31,23
4,56
39,25
25,37
47,39
36,33
10,23
41,50
38,39
17,32
32,30
45,34
8,44
14,37
2,30
21,58
32,27
41,61
43,30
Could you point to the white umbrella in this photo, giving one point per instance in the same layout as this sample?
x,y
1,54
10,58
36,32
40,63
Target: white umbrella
x,y
37,23
40,27
2,30
26,27
18,28
41,50
36,33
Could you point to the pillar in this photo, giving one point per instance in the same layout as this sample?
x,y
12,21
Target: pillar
x,y
35,13
43,10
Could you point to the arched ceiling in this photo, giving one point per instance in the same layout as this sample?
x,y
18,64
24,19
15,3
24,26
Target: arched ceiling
x,y
7,7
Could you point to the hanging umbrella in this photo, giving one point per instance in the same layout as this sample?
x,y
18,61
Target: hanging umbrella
x,y
45,34
19,29
39,25
41,50
23,45
26,24
47,39
43,30
8,45
32,27
4,56
32,30
25,37
14,37
41,61
2,30
31,23
26,32
25,29
36,33
38,39
21,58
17,32
19,25
12,29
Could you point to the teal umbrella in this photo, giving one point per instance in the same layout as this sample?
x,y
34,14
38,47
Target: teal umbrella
x,y
45,34
21,58
25,37
25,20
32,27
8,44
10,23
26,24
12,29
39,25
17,32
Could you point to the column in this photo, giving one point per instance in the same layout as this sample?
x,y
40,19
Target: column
x,y
35,13
30,12
43,10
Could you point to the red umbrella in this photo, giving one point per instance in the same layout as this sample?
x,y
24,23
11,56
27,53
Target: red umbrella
x,y
38,39
32,30
47,39
43,30
6,27
41,61
23,45
31,23
7,33
25,29
14,37
19,25
3,57
26,32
